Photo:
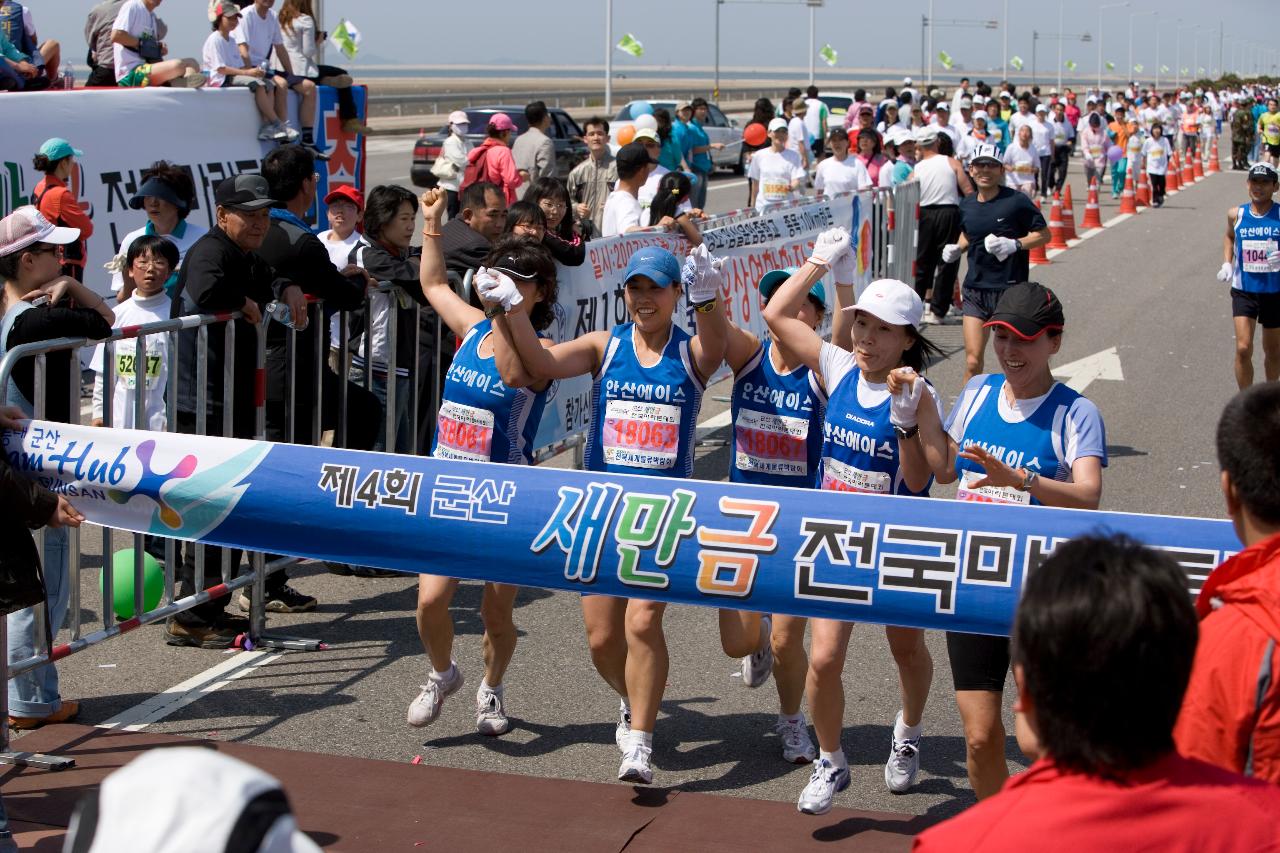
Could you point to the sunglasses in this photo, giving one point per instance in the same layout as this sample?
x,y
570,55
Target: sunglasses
x,y
45,249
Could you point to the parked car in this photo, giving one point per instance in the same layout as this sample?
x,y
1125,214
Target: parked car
x,y
838,103
719,128
564,132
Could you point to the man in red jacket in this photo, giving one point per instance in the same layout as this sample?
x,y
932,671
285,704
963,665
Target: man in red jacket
x,y
1231,715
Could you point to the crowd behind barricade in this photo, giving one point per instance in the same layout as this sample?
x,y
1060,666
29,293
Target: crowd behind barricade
x,y
854,413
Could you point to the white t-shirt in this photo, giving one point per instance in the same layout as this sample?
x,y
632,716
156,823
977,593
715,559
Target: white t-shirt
x,y
835,363
1157,153
219,52
1042,138
137,20
621,212
1017,120
134,312
841,176
1020,165
797,136
339,250
261,34
775,172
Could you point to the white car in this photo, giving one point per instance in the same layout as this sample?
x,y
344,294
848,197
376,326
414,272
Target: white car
x,y
719,128
838,103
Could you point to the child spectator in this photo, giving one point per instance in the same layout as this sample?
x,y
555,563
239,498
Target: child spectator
x,y
225,68
139,53
54,199
148,264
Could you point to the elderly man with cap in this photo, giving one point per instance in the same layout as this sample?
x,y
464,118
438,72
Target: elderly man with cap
x,y
778,171
222,272
37,306
942,183
167,194
492,160
998,226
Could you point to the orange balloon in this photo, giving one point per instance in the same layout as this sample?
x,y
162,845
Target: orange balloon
x,y
626,134
755,134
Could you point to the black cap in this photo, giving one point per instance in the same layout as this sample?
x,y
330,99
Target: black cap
x,y
1262,172
1028,310
512,266
632,156
244,192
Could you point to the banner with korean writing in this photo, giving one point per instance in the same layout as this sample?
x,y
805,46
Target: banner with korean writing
x,y
927,563
212,134
591,296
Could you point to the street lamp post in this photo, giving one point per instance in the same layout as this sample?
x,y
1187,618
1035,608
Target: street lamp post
x,y
1101,9
1129,71
608,57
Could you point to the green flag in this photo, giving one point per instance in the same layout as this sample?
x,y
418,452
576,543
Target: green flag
x,y
828,54
1164,69
1186,70
1111,66
1137,68
1070,65
1201,71
1015,62
630,44
347,38
945,60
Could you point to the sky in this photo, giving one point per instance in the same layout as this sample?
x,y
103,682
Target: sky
x,y
753,34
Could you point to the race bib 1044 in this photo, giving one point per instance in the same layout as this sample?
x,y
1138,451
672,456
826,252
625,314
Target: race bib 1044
x,y
989,494
839,477
641,435
1253,255
464,433
771,444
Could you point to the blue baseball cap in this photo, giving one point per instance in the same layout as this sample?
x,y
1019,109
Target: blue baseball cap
x,y
655,263
774,278
57,148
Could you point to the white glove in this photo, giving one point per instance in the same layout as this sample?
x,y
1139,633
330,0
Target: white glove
x,y
1226,272
1001,247
844,269
950,253
497,288
1273,260
701,275
903,405
829,246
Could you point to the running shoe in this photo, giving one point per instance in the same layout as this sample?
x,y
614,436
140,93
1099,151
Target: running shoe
x,y
929,318
757,665
491,715
623,731
636,765
286,133
268,132
424,710
825,782
286,599
903,765
797,746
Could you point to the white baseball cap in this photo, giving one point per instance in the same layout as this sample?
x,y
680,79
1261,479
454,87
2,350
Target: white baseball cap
x,y
986,151
926,135
906,81
777,124
892,301
27,225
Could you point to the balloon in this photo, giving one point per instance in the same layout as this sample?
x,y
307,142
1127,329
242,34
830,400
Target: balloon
x,y
122,581
647,122
1115,153
641,108
755,134
626,133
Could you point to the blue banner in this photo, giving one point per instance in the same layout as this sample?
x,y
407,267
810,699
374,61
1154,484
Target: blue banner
x,y
926,563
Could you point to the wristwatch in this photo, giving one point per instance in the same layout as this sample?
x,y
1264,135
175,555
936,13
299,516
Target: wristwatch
x,y
1017,245
494,310
1028,477
705,307
903,433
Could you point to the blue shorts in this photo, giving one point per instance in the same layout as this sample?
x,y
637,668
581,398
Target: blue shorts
x,y
980,302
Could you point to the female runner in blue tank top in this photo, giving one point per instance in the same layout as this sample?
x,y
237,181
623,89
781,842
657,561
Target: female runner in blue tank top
x,y
874,441
489,412
777,406
1016,438
649,377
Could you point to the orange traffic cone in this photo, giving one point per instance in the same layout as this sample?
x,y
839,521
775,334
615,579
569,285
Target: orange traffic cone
x,y
1143,194
1213,157
1056,237
1172,182
1188,176
1197,166
1128,204
1092,213
1068,216
1037,255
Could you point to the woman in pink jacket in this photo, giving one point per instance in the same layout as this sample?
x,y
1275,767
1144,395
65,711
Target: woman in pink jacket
x,y
491,160
1094,143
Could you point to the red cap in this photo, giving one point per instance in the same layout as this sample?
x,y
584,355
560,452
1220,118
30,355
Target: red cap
x,y
348,192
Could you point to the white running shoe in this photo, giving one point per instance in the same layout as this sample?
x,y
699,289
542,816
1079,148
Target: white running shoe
x,y
491,714
757,666
636,765
826,781
424,710
268,131
797,746
903,765
929,318
623,731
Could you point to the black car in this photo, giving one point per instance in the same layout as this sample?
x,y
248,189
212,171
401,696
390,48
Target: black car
x,y
564,133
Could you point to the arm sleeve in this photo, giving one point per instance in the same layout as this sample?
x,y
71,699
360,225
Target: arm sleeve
x,y
44,324
819,181
506,168
98,367
629,217
1031,214
325,281
23,498
73,215
306,28
797,172
834,363
1216,719
206,286
1085,434
545,158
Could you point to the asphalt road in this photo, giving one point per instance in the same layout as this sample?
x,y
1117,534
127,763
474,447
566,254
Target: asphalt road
x,y
1144,287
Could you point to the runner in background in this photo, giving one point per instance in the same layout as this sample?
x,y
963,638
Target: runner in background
x,y
1251,262
777,172
1121,130
816,123
1269,131
1156,153
874,340
489,412
649,378
1020,164
1015,438
841,172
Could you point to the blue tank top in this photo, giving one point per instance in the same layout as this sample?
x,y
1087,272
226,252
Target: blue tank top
x,y
1256,237
643,418
777,424
859,446
481,418
1065,425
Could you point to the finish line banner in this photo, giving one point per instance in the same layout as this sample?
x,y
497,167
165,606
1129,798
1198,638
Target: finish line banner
x,y
936,564
591,296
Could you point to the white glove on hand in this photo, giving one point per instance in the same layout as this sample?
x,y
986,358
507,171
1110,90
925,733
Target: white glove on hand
x,y
950,253
1273,260
829,246
903,405
497,288
1226,272
844,269
701,275
1001,247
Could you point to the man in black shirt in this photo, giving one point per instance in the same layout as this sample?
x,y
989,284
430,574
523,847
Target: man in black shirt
x,y
998,226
